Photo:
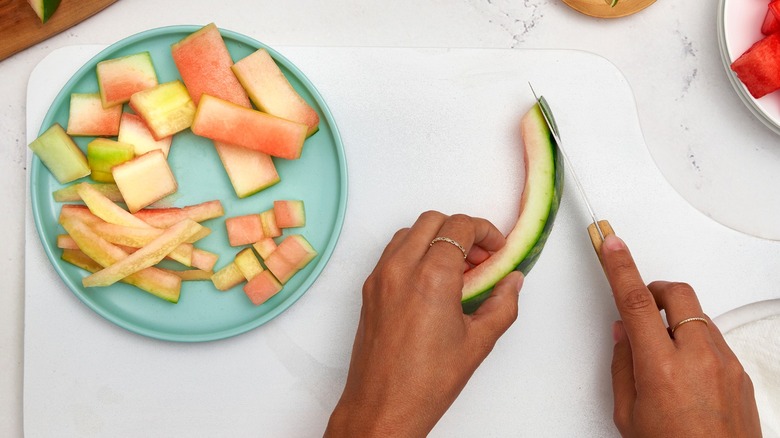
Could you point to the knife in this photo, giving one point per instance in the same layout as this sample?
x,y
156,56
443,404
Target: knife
x,y
598,229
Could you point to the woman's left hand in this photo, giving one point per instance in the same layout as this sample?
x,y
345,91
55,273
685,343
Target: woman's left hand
x,y
414,349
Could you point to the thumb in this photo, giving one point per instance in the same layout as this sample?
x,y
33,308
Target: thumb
x,y
623,386
500,309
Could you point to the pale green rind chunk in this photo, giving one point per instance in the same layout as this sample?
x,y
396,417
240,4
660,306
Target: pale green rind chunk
x,y
60,155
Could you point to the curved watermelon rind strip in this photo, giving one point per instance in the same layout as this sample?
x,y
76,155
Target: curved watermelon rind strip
x,y
529,260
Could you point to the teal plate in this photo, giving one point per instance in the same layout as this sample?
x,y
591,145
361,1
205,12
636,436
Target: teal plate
x,y
319,178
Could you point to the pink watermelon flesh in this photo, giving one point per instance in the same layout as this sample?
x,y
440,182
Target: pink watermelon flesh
x,y
262,287
227,122
166,217
204,260
759,67
271,92
282,268
244,230
204,63
249,171
771,22
120,78
289,213
89,118
296,250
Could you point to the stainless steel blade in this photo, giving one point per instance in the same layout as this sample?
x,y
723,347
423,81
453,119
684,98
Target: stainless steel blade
x,y
548,117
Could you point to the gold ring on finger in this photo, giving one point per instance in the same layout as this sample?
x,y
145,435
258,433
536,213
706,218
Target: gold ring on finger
x,y
450,241
686,321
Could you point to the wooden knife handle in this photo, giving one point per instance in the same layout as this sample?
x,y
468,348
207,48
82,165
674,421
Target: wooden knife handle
x,y
595,239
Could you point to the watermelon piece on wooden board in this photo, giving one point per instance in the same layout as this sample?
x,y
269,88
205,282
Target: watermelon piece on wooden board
x,y
759,67
144,180
120,78
289,213
247,263
133,130
227,122
262,287
44,9
227,277
249,171
166,217
88,117
265,247
271,92
166,108
103,154
204,64
244,230
771,22
60,154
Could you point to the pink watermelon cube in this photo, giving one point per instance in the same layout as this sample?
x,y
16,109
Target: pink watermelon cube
x,y
120,78
244,230
290,256
289,213
759,67
88,117
282,268
262,287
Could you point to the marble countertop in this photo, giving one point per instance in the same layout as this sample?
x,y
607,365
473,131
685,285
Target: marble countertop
x,y
705,142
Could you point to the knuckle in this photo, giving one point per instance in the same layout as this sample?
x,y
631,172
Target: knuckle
x,y
431,215
681,289
637,299
460,220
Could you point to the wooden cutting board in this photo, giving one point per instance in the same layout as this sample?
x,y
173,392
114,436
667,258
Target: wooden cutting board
x,y
21,28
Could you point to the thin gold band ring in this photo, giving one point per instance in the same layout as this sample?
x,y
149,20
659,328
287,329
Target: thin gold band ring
x,y
450,241
686,321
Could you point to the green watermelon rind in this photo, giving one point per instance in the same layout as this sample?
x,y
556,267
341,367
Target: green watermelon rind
x,y
525,261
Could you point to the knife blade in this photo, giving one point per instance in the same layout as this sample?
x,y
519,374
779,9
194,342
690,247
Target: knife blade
x,y
598,229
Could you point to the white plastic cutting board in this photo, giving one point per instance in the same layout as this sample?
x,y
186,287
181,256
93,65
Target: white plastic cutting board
x,y
422,129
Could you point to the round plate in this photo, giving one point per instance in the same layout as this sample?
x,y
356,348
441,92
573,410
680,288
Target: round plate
x,y
203,313
739,27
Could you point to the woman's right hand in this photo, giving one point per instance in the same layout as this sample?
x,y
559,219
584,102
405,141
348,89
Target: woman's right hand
x,y
687,385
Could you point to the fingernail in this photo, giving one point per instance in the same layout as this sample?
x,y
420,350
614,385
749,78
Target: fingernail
x,y
613,243
618,332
